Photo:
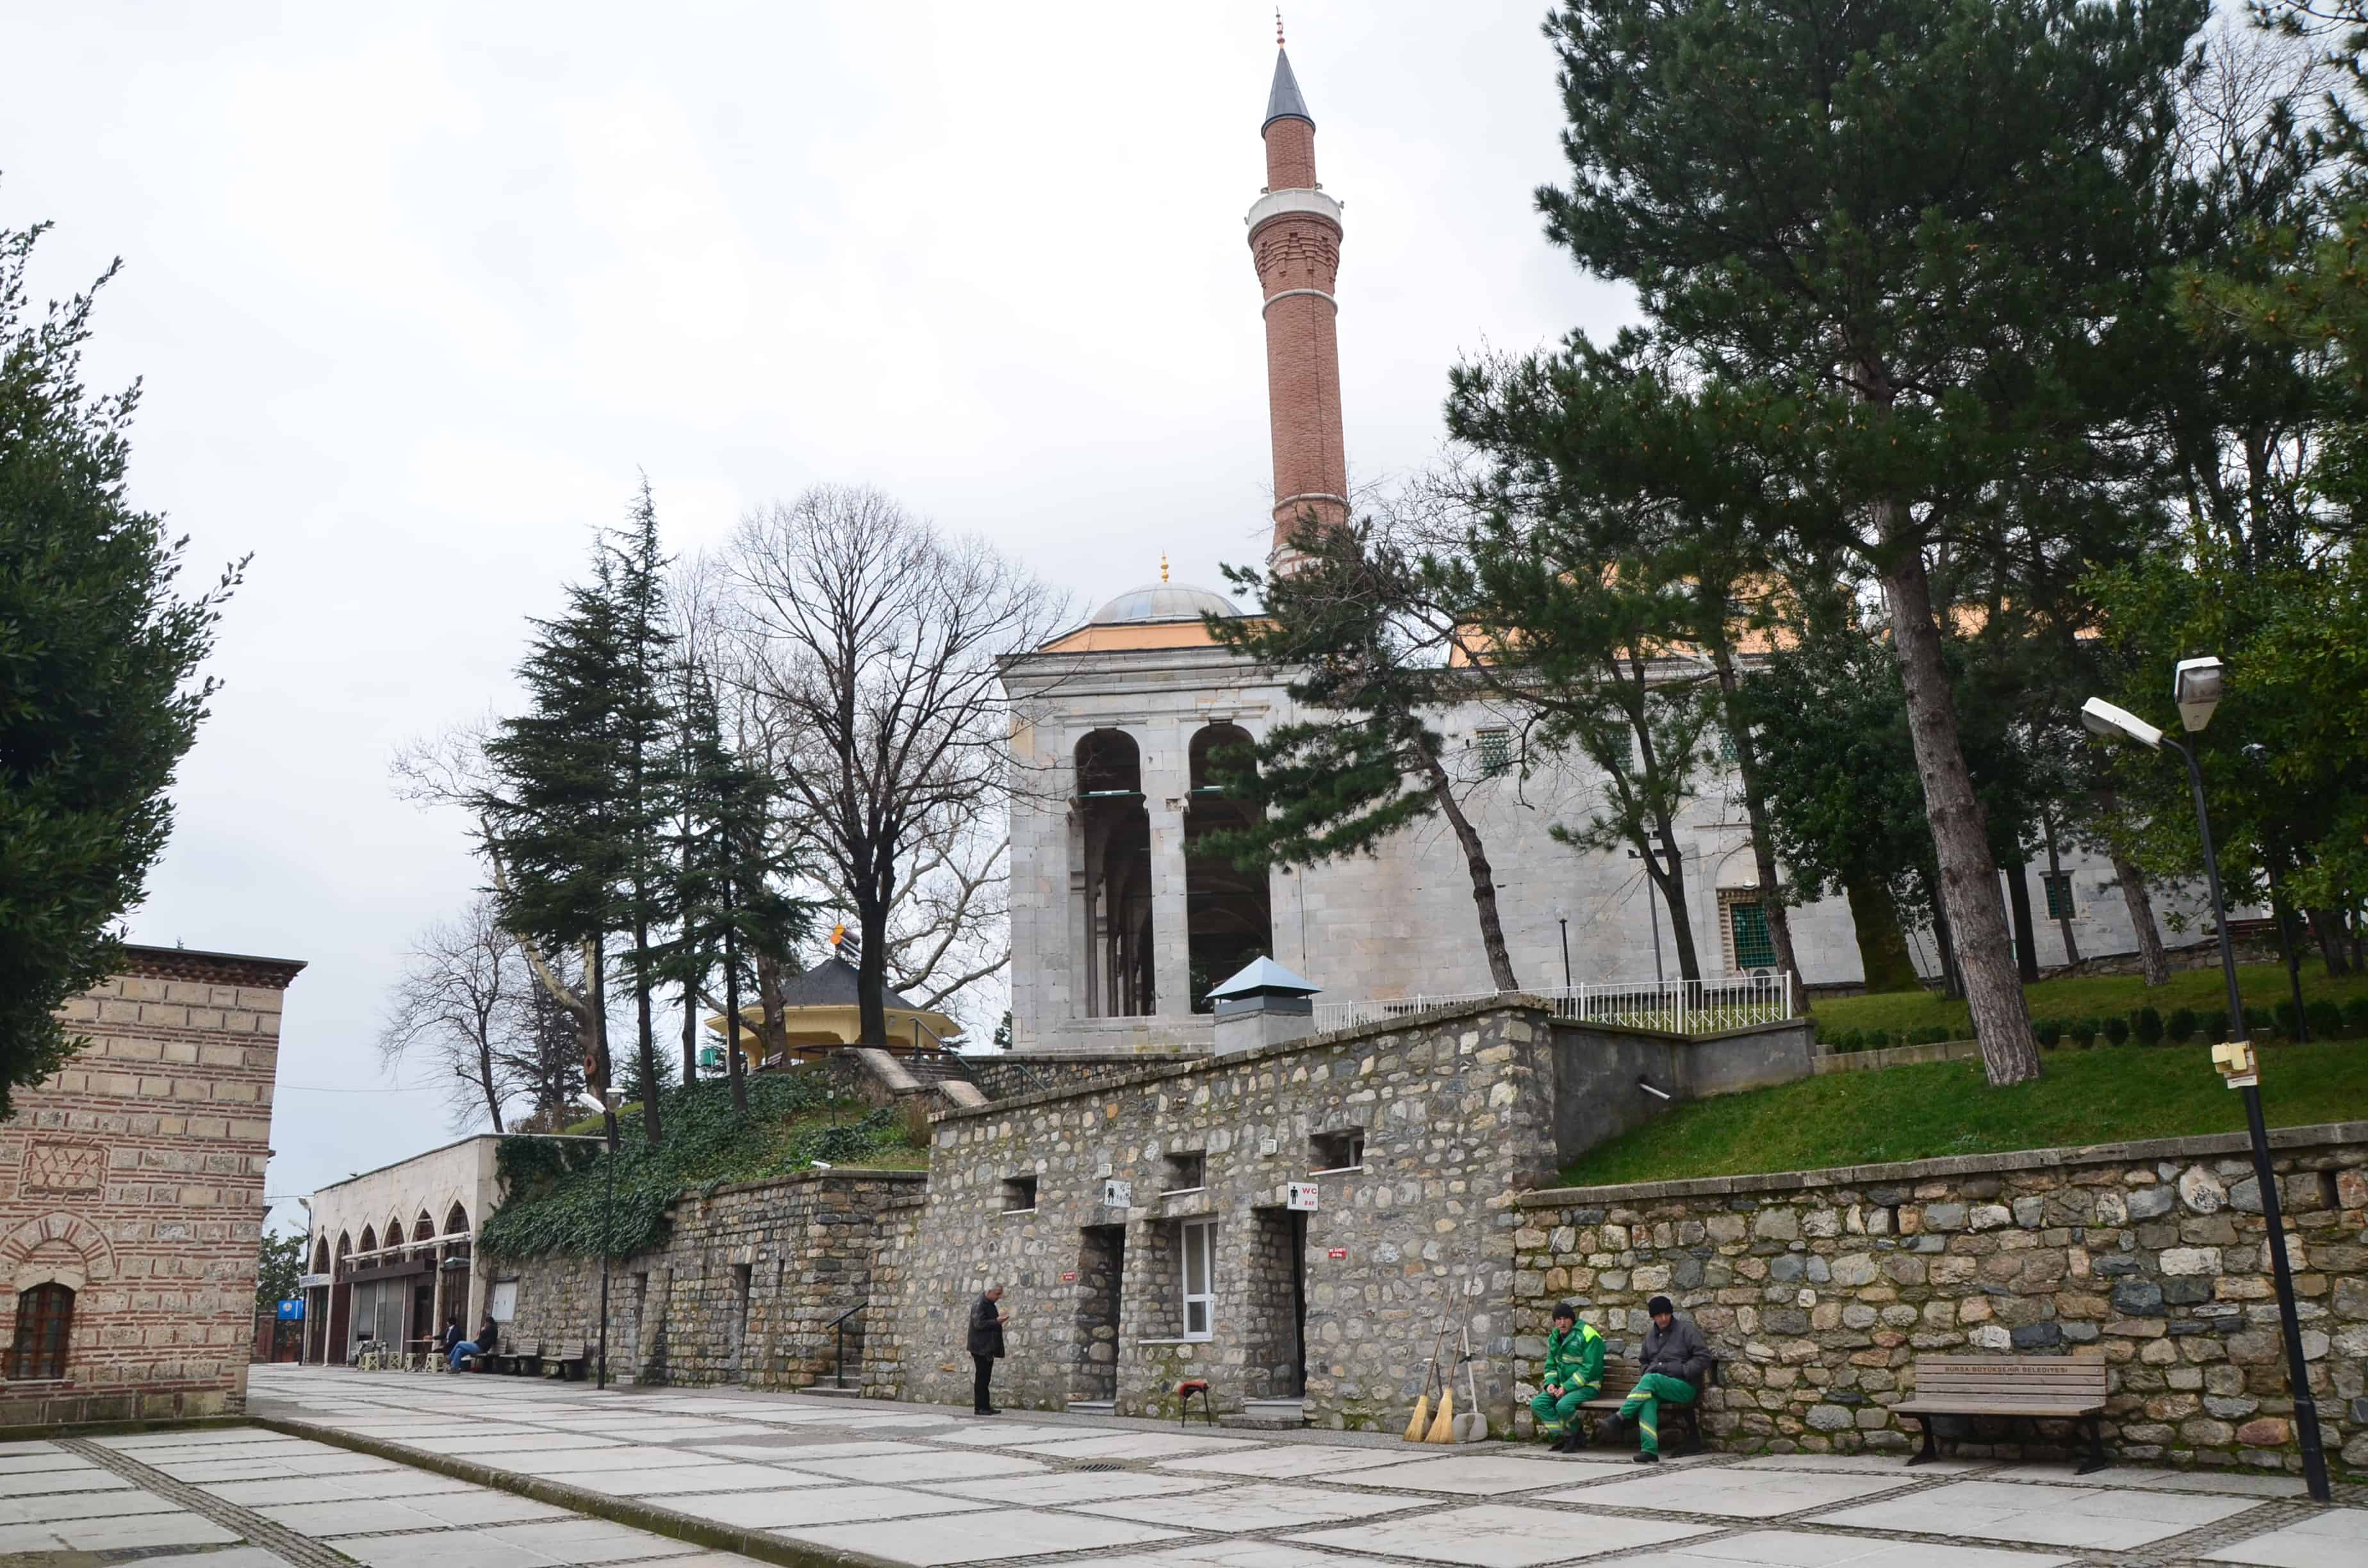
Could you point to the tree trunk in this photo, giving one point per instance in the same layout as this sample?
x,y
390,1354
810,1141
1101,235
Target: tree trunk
x,y
1882,944
595,1003
644,1039
772,1026
2026,935
1968,875
732,1008
689,1033
1484,876
2151,957
2054,877
1763,852
2327,927
1953,980
1673,895
872,971
485,1079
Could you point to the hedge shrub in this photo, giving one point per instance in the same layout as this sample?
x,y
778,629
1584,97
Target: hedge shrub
x,y
2147,1026
2181,1026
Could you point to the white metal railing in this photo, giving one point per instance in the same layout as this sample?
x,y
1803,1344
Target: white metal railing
x,y
1672,1006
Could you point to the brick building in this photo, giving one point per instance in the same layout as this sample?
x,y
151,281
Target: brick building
x,y
131,1195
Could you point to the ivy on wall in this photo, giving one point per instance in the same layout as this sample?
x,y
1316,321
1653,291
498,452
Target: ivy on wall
x,y
557,1190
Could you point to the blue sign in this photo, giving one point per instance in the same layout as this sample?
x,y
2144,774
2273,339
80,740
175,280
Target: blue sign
x,y
293,1310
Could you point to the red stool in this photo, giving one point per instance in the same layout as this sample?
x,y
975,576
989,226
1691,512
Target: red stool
x,y
1184,1392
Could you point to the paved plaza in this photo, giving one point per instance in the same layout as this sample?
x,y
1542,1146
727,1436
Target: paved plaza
x,y
616,1475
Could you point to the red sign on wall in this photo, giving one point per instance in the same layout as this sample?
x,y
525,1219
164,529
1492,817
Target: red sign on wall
x,y
1070,1277
1337,1254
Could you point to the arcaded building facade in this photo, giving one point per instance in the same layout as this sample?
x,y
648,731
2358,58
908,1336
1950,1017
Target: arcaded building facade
x,y
1118,925
132,1196
391,1252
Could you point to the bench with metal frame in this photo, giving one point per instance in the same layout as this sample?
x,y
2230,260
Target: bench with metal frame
x,y
2017,1388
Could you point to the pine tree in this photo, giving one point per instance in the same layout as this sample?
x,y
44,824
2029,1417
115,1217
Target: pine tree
x,y
1900,249
642,726
1367,656
98,659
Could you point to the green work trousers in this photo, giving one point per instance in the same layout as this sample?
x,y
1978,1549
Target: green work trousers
x,y
1643,1403
1556,1416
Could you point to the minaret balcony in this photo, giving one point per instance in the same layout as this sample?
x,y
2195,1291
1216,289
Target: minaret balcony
x,y
1276,204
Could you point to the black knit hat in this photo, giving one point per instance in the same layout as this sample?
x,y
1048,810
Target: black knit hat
x,y
1565,1310
1659,1305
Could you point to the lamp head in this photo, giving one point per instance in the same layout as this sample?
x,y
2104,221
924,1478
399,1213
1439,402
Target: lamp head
x,y
592,1103
2102,718
2195,685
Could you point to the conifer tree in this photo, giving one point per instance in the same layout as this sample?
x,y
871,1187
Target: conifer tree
x,y
1902,245
99,698
642,726
1366,651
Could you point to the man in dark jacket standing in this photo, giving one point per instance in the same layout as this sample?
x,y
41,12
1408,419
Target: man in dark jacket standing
x,y
1675,1360
986,1345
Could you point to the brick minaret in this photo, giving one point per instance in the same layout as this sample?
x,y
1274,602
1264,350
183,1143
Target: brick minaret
x,y
1294,230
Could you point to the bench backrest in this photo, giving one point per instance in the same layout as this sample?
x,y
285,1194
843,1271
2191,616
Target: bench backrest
x,y
2044,1380
569,1350
1620,1375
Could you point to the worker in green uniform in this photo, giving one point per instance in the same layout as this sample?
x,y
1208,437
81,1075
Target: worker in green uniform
x,y
1573,1375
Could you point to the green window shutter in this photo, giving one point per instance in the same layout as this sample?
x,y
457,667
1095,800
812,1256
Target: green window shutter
x,y
1754,948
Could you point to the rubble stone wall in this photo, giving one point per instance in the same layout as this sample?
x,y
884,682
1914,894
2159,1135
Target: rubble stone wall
x,y
1457,1112
743,1290
1818,1289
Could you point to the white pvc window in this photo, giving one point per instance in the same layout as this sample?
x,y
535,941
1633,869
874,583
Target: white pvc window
x,y
1199,1277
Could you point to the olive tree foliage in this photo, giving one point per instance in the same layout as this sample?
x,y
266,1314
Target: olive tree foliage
x,y
99,692
868,643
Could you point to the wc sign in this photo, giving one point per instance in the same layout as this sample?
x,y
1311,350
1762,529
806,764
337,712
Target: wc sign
x,y
1299,1196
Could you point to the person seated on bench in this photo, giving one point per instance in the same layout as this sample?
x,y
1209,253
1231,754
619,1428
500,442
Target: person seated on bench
x,y
449,1338
1671,1367
1573,1375
481,1344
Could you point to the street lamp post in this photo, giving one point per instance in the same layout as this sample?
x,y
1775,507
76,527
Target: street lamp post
x,y
1652,912
604,1102
1564,921
2196,688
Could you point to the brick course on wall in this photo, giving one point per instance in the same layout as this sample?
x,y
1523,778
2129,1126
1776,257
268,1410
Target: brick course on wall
x,y
1818,1289
743,1291
134,1176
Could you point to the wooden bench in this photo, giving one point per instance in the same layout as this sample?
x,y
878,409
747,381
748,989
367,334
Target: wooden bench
x,y
567,1361
2019,1388
503,1357
1620,1378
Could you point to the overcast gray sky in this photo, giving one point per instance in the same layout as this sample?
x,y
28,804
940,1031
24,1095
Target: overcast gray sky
x,y
415,291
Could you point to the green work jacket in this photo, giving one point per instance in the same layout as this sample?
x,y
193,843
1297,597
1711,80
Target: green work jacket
x,y
1574,1360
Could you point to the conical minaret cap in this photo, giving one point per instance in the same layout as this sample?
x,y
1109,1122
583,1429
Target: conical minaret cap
x,y
1283,101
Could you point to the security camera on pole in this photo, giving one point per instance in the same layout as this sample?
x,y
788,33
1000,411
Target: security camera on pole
x,y
2196,687
603,1103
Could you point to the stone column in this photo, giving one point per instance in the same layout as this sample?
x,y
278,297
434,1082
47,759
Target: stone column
x,y
1166,791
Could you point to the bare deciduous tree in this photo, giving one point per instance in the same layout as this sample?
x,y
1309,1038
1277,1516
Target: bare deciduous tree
x,y
456,1006
870,642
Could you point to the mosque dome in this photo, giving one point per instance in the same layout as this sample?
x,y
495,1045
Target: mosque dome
x,y
1162,601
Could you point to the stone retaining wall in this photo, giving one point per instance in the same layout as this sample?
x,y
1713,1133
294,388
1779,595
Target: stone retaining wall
x,y
743,1291
1819,1289
1037,1071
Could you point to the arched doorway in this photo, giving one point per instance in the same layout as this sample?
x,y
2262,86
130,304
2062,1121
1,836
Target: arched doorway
x,y
1116,829
1230,917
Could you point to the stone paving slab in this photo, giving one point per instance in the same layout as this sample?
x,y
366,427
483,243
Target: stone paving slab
x,y
980,1538
82,1476
931,1466
1858,1464
1006,1434
723,1476
800,1452
83,1505
832,1505
2228,1483
233,1557
2336,1539
1269,1507
2046,1516
1788,1549
1724,1492
1499,1535
1284,1463
33,1463
1066,1487
393,1481
115,1533
1233,1554
1131,1446
1481,1475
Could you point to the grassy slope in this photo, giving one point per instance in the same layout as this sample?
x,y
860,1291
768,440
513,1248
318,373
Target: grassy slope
x,y
2104,1095
2264,985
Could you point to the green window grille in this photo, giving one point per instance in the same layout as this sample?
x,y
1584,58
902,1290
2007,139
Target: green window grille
x,y
1727,746
1754,948
1496,753
2059,895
